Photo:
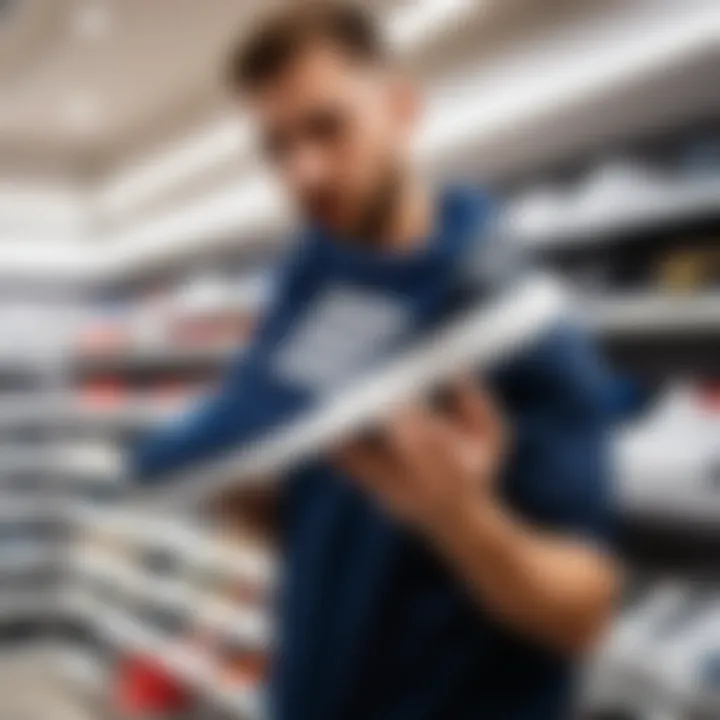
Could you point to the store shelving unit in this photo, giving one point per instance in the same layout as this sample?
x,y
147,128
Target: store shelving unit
x,y
46,479
673,205
159,360
32,529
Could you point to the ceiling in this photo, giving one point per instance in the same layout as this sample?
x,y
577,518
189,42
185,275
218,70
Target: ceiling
x,y
86,83
80,78
88,87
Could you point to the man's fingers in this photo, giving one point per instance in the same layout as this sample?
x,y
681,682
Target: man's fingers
x,y
361,459
406,431
404,446
418,442
428,444
397,436
377,470
475,408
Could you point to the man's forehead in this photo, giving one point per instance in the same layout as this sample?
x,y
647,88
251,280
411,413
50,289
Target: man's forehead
x,y
320,71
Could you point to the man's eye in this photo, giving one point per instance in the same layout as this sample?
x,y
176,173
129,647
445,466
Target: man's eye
x,y
275,146
324,126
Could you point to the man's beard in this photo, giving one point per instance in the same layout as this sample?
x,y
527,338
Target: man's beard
x,y
376,216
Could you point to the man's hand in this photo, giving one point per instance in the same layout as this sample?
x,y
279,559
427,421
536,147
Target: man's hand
x,y
437,471
429,467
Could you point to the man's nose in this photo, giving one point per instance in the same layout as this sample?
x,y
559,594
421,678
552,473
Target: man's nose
x,y
307,168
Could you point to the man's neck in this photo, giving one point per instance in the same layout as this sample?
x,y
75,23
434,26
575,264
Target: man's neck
x,y
402,224
411,221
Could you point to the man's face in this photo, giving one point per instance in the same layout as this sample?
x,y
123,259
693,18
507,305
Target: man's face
x,y
338,132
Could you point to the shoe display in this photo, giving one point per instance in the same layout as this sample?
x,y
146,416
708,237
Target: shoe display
x,y
667,462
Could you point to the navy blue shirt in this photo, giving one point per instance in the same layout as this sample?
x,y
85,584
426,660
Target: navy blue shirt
x,y
372,623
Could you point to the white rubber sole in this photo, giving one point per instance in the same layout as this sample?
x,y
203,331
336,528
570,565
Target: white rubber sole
x,y
478,339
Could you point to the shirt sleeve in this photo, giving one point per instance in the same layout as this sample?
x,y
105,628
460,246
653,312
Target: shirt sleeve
x,y
559,475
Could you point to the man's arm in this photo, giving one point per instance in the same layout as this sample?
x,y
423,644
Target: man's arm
x,y
553,587
543,572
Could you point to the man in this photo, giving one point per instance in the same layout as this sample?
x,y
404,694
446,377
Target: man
x,y
450,566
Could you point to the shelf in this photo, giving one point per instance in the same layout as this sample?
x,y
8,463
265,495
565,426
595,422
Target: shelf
x,y
29,557
251,565
120,417
15,509
56,467
247,626
139,361
18,606
660,336
238,298
64,413
675,206
652,313
127,632
82,669
26,461
191,666
26,365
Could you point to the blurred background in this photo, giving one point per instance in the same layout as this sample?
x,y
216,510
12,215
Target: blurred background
x,y
139,233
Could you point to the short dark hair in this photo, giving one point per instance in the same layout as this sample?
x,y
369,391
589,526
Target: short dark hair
x,y
275,43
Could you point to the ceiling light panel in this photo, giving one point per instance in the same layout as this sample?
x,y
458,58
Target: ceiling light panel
x,y
415,23
92,20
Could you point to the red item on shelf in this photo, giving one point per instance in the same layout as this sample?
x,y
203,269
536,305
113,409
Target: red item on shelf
x,y
102,393
176,392
103,338
143,687
212,331
247,669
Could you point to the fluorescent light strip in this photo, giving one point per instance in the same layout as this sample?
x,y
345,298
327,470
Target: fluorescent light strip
x,y
416,23
228,139
34,212
55,260
251,203
500,100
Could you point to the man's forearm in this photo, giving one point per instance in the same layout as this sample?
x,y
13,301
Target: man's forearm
x,y
438,471
558,589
